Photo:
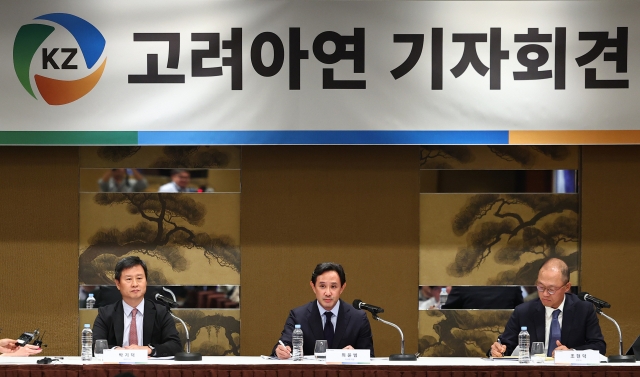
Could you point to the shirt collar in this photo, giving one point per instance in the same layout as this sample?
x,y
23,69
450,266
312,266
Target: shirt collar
x,y
549,310
178,188
128,308
333,311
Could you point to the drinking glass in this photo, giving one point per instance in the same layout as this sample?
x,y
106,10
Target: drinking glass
x,y
537,352
321,350
101,345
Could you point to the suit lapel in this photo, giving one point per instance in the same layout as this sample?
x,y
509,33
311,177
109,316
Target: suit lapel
x,y
147,321
342,323
539,322
567,314
314,320
118,323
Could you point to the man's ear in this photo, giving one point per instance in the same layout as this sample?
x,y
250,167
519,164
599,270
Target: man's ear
x,y
568,286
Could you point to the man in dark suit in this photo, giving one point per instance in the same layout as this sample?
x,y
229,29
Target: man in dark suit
x,y
327,317
136,323
558,318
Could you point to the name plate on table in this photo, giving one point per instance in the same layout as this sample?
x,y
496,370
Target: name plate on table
x,y
584,357
125,356
340,356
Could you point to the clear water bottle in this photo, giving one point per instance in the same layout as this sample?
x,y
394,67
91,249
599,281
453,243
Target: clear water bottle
x,y
91,301
87,343
443,297
523,344
297,340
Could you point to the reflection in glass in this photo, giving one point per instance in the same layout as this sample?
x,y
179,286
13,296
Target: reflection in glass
x,y
101,345
498,181
216,297
122,180
478,297
160,180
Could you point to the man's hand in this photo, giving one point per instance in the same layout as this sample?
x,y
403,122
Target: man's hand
x,y
348,348
27,350
559,347
7,345
498,350
137,347
283,352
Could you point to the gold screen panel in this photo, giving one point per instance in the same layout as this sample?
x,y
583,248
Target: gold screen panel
x,y
497,157
170,157
495,239
459,333
185,239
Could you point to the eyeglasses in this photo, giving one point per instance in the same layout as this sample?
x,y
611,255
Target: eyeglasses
x,y
550,290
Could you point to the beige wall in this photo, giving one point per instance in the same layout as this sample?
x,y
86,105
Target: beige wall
x,y
354,205
611,236
300,205
39,244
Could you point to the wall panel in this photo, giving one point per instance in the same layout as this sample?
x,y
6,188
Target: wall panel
x,y
354,205
611,236
39,245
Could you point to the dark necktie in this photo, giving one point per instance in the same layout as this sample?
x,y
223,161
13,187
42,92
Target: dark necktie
x,y
554,332
133,329
328,329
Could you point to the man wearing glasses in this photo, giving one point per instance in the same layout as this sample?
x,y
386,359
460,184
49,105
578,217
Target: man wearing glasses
x,y
558,318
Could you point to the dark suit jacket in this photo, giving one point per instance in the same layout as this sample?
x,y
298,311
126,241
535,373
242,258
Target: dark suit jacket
x,y
352,328
580,326
484,297
159,329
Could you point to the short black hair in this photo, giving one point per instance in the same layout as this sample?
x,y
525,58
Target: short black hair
x,y
129,262
178,171
321,268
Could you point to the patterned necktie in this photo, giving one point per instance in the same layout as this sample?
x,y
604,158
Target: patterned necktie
x,y
133,329
554,332
328,329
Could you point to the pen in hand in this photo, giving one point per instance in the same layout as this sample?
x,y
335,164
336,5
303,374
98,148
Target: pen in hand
x,y
500,342
282,344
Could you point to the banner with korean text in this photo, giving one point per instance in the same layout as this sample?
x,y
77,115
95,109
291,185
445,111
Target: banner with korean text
x,y
160,72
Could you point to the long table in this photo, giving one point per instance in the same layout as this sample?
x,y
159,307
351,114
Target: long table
x,y
259,367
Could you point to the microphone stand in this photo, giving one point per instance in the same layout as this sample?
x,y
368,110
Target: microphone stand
x,y
616,358
184,356
401,356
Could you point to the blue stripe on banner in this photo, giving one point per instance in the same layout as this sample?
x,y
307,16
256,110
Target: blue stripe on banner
x,y
321,137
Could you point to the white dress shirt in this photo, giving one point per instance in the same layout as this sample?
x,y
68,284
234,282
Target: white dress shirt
x,y
171,187
334,317
127,322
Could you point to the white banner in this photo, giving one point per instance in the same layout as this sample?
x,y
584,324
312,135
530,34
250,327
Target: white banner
x,y
359,66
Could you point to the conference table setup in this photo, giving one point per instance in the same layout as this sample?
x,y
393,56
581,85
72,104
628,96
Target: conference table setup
x,y
262,366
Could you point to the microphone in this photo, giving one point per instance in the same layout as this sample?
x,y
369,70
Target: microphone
x,y
358,304
166,300
585,296
180,356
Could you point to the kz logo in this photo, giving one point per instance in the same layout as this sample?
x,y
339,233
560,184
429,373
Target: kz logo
x,y
27,46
